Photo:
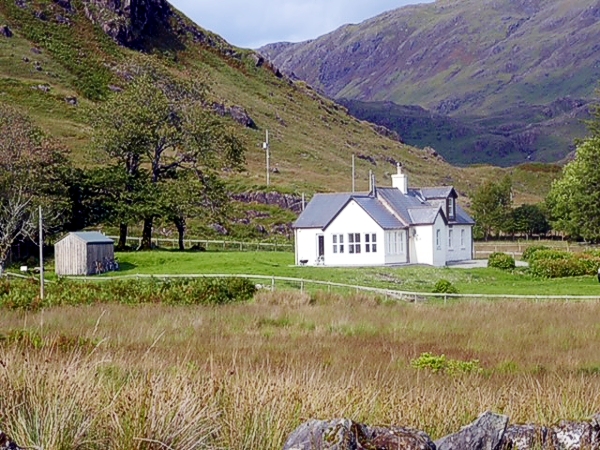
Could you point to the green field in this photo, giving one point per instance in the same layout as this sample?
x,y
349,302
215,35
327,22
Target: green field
x,y
409,278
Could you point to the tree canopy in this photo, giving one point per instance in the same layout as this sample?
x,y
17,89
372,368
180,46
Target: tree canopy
x,y
574,199
492,206
158,132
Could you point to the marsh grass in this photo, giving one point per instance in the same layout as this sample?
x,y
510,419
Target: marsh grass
x,y
244,376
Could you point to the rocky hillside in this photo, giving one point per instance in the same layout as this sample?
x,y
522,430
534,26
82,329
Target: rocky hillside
x,y
521,72
59,58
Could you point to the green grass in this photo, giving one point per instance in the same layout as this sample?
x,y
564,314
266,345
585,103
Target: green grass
x,y
409,278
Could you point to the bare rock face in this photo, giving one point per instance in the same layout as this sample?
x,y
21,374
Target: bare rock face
x,y
6,443
344,434
128,21
484,434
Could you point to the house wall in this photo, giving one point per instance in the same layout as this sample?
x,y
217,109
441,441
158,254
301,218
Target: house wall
x,y
458,252
98,252
306,245
354,219
421,245
70,256
440,251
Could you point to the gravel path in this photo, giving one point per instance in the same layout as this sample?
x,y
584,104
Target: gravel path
x,y
478,263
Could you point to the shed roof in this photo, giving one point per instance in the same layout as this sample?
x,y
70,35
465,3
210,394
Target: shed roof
x,y
92,237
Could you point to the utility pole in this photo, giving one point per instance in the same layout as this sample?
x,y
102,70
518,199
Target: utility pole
x,y
353,173
41,255
266,149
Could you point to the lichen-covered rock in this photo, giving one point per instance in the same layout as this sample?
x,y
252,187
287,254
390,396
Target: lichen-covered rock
x,y
5,31
344,434
6,443
564,436
485,433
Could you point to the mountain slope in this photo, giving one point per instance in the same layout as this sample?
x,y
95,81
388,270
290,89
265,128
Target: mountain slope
x,y
64,56
469,59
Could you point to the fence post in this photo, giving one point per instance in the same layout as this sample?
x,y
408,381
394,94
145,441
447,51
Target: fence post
x,y
302,287
273,284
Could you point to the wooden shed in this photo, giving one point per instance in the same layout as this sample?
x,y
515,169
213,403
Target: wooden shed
x,y
83,253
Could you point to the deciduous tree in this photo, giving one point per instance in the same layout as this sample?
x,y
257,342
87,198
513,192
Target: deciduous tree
x,y
31,175
156,130
492,206
574,199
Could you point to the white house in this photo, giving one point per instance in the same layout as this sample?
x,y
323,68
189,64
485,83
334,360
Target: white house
x,y
394,225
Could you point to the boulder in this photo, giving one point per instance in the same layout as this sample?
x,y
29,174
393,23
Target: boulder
x,y
485,433
6,443
564,436
5,31
344,434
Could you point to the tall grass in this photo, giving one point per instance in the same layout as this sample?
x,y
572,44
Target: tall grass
x,y
245,375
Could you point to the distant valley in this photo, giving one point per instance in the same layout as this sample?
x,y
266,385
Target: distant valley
x,y
495,81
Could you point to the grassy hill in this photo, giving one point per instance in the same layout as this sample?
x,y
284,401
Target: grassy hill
x,y
59,62
489,64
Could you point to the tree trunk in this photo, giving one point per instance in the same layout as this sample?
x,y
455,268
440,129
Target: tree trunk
x,y
147,234
180,225
122,236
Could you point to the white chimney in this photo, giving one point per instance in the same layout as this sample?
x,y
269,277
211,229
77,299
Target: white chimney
x,y
400,180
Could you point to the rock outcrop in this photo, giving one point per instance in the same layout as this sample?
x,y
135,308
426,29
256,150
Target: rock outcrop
x,y
489,432
129,21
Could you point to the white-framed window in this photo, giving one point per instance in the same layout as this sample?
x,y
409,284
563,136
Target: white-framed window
x,y
338,243
462,238
370,243
451,208
395,242
450,238
353,242
438,238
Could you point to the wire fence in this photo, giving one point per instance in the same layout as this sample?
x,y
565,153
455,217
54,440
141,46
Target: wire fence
x,y
211,244
274,283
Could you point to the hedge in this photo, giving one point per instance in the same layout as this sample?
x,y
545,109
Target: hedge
x,y
529,251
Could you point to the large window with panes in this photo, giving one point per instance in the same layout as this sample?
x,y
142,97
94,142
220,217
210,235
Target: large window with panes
x,y
395,242
354,243
338,243
370,243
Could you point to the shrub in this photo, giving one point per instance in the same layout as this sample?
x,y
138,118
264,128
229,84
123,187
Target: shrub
x,y
550,254
442,364
24,294
557,268
529,251
444,287
501,261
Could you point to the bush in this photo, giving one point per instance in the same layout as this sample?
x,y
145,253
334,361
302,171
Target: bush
x,y
439,364
557,268
444,287
24,294
529,251
550,254
501,261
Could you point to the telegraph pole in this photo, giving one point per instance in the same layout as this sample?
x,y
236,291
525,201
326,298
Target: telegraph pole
x,y
41,255
266,148
353,173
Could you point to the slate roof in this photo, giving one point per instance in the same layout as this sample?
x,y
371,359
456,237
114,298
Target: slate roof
x,y
390,208
321,210
436,192
92,237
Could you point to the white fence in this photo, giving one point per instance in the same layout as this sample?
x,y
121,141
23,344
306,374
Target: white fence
x,y
304,285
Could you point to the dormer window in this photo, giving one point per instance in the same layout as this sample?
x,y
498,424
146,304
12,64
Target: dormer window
x,y
451,208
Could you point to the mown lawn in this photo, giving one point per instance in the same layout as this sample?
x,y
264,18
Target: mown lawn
x,y
410,278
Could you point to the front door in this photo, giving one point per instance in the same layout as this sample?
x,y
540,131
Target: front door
x,y
320,248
